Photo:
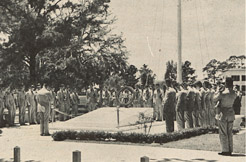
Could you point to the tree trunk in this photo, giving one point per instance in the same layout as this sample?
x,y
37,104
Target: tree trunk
x,y
32,69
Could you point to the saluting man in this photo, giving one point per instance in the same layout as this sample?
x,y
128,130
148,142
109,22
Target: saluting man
x,y
225,116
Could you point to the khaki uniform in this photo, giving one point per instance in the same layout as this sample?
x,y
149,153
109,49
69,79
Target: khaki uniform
x,y
112,99
208,106
105,96
61,104
226,100
212,108
202,114
75,103
67,102
92,100
189,108
52,111
31,104
1,109
198,108
21,102
44,99
180,108
136,102
147,95
36,107
157,110
10,105
169,103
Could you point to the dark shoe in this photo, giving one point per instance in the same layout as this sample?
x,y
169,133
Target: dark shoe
x,y
47,134
225,153
41,134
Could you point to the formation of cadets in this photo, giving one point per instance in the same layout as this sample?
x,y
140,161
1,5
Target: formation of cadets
x,y
65,101
190,105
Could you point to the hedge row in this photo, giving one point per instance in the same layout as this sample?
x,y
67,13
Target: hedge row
x,y
132,137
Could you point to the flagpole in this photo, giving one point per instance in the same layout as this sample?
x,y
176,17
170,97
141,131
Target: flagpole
x,y
179,28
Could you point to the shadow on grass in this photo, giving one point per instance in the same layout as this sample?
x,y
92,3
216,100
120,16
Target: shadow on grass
x,y
238,155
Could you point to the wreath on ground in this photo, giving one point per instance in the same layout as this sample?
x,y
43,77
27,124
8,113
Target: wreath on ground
x,y
130,89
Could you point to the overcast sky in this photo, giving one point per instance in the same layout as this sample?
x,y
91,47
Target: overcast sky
x,y
211,29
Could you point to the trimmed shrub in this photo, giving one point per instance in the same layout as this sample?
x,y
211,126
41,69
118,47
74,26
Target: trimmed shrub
x,y
134,137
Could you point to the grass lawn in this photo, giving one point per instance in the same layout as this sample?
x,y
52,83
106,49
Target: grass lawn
x,y
208,142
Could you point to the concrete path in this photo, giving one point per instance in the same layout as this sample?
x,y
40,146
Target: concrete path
x,y
105,119
38,148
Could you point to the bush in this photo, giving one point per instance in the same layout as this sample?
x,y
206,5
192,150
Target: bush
x,y
129,137
134,137
59,136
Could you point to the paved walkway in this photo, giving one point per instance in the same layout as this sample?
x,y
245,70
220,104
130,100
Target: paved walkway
x,y
105,119
37,148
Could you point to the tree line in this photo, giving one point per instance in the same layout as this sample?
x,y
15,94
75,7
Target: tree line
x,y
72,43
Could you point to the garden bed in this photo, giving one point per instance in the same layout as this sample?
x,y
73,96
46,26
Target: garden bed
x,y
133,137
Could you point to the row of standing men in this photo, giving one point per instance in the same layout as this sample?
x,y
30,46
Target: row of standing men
x,y
65,100
190,105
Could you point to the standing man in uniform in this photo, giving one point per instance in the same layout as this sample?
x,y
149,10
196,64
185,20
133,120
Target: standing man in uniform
x,y
10,105
169,103
75,102
45,101
202,120
225,116
31,104
198,105
36,105
67,102
52,111
2,94
181,107
92,99
147,97
206,86
61,102
189,107
212,106
237,104
21,102
157,101
137,94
